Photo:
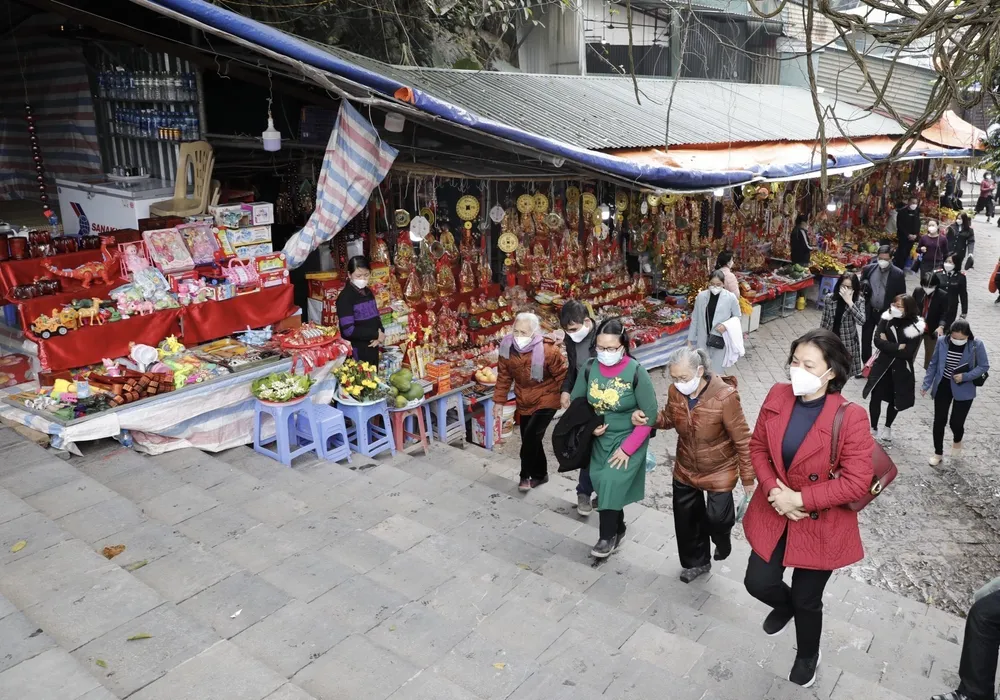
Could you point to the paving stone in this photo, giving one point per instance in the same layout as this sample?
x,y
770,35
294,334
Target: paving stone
x,y
174,638
258,548
430,686
616,625
34,528
107,465
575,576
541,686
21,639
98,694
144,482
234,603
850,687
642,680
147,542
485,667
237,489
316,530
417,634
74,618
40,477
360,551
355,668
292,637
583,660
289,692
275,508
359,603
178,504
518,627
68,566
12,507
208,473
223,671
102,519
70,497
548,598
6,608
409,574
307,576
537,535
449,552
215,526
447,510
360,513
402,533
729,677
186,572
52,675
673,652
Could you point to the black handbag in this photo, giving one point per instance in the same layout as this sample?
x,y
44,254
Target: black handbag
x,y
716,341
981,379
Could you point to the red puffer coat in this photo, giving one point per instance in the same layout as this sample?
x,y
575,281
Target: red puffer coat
x,y
829,538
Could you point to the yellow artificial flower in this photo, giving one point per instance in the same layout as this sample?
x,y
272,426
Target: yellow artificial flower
x,y
356,390
369,383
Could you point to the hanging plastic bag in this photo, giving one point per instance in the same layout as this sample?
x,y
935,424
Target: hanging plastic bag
x,y
741,509
650,461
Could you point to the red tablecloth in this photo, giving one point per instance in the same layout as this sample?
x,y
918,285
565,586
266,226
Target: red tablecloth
x,y
211,320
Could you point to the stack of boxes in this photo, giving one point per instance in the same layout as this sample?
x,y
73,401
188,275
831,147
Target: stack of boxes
x,y
244,232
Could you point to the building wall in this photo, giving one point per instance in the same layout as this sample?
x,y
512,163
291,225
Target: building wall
x,y
910,87
556,46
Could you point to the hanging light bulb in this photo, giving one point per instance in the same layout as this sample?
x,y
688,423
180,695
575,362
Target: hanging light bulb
x,y
719,192
830,206
848,173
271,136
605,212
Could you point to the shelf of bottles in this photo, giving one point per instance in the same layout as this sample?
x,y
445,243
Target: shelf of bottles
x,y
148,104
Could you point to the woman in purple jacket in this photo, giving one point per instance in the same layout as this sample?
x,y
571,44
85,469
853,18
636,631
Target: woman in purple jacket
x,y
933,249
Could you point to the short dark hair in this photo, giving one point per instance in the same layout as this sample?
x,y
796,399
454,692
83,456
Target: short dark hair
x,y
573,311
717,275
614,326
834,353
910,309
884,250
725,257
358,262
966,221
801,219
962,326
951,256
929,279
855,285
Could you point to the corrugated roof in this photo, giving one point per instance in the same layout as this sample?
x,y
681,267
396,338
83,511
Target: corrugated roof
x,y
600,112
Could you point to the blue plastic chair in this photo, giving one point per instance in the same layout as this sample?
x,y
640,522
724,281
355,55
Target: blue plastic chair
x,y
365,437
333,441
437,415
286,430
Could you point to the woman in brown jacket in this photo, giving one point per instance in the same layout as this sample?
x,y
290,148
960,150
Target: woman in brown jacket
x,y
713,452
535,367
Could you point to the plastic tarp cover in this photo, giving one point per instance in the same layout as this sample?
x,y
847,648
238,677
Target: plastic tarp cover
x,y
952,131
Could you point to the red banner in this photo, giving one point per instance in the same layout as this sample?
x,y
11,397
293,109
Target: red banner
x,y
211,320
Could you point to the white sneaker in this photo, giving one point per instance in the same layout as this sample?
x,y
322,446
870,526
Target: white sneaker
x,y
934,460
885,435
956,450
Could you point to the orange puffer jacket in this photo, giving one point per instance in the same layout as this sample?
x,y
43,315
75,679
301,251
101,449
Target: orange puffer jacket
x,y
531,395
713,438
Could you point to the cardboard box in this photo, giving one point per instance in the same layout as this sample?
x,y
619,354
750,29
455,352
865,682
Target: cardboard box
x,y
276,278
275,262
246,252
320,282
261,213
248,236
230,215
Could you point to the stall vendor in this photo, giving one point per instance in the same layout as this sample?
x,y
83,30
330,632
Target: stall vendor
x,y
360,321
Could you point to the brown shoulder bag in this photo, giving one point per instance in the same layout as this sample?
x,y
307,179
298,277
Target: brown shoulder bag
x,y
883,467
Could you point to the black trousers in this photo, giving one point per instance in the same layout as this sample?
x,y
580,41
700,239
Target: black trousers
x,y
902,254
612,523
803,600
944,400
978,668
883,391
363,353
868,333
701,517
533,462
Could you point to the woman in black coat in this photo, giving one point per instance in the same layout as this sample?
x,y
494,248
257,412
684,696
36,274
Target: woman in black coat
x,y
799,241
892,380
932,301
961,240
955,284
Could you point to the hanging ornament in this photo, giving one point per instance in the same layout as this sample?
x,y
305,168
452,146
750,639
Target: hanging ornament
x,y
497,214
36,156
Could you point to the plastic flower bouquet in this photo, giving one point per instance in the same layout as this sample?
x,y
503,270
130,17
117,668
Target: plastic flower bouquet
x,y
359,383
281,387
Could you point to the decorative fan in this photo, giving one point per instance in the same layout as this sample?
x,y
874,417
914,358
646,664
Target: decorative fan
x,y
572,194
541,202
467,208
419,228
525,204
589,202
507,242
428,214
644,206
402,218
621,200
497,214
553,220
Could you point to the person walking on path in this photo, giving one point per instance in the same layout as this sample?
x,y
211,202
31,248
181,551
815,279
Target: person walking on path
x,y
581,332
987,189
713,453
615,386
961,240
933,249
907,233
358,314
798,516
712,308
535,368
843,312
977,669
725,263
955,284
881,282
959,360
932,302
891,379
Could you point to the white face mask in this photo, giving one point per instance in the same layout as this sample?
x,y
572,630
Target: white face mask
x,y
895,312
715,290
949,267
689,387
884,264
360,284
932,231
913,207
580,334
805,382
610,358
959,343
521,343
929,290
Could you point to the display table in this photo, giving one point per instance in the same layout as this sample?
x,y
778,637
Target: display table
x,y
655,354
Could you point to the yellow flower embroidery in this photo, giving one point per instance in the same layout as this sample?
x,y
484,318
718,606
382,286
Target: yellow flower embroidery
x,y
607,400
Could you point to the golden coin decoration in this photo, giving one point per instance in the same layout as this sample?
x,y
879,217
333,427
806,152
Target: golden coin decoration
x,y
621,200
507,243
541,202
467,208
401,217
467,225
572,194
526,204
589,202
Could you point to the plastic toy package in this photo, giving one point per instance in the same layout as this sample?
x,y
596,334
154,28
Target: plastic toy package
x,y
166,248
200,241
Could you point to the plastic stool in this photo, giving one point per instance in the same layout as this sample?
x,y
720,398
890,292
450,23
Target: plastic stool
x,y
285,429
365,438
332,432
438,407
399,418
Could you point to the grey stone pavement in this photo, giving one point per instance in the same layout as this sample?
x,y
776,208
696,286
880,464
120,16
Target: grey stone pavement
x,y
431,578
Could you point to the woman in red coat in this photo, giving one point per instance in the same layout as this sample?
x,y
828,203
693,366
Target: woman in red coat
x,y
798,517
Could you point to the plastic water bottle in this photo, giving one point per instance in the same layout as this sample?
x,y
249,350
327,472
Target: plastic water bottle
x,y
125,438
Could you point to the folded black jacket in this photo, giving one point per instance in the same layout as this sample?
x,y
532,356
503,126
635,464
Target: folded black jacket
x,y
573,434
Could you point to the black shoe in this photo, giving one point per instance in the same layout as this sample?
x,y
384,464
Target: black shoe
x,y
689,575
524,486
604,548
804,670
955,695
723,551
776,622
535,483
583,506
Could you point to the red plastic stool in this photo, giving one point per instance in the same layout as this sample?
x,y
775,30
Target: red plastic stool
x,y
399,417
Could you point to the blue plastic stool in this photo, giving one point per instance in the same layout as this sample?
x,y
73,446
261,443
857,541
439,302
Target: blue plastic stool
x,y
285,430
437,415
364,437
332,432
